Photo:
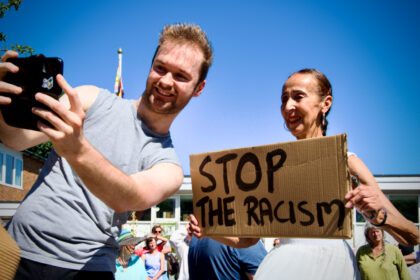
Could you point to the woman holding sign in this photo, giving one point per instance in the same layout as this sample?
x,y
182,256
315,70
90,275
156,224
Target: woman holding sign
x,y
306,102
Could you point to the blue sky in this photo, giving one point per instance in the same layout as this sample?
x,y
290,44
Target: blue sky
x,y
368,49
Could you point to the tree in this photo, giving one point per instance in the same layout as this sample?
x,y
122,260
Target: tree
x,y
42,150
23,49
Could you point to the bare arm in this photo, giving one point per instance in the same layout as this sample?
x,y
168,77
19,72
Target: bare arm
x,y
139,191
368,196
235,242
410,259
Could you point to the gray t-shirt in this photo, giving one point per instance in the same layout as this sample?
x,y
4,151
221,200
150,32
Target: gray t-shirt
x,y
60,222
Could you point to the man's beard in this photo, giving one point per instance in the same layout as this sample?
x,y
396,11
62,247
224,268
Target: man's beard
x,y
167,110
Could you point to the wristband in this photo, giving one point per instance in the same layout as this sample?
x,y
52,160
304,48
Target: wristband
x,y
383,221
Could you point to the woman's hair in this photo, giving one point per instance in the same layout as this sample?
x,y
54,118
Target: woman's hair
x,y
155,227
368,227
148,240
123,253
324,89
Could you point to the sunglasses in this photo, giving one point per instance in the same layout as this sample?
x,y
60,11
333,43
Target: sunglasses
x,y
157,231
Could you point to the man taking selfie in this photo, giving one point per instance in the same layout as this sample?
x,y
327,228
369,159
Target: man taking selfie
x,y
110,156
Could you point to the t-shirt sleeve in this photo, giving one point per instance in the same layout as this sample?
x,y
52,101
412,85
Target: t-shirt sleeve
x,y
250,258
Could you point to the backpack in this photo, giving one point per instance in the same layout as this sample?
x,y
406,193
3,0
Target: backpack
x,y
173,265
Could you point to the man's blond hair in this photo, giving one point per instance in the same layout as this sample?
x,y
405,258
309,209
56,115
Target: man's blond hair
x,y
189,33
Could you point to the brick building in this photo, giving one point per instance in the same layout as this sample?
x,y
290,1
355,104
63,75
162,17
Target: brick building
x,y
18,172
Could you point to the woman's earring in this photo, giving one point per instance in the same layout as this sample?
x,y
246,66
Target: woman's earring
x,y
323,120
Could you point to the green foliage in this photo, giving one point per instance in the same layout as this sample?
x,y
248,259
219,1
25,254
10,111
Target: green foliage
x,y
4,8
42,150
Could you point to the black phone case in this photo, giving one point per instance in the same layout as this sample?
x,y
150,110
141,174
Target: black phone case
x,y
36,74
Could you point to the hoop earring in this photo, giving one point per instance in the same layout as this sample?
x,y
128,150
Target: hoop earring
x,y
285,126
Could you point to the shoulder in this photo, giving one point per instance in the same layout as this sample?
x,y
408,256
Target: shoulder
x,y
87,96
362,250
134,258
393,248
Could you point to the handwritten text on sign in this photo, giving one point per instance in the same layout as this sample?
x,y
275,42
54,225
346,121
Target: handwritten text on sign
x,y
272,191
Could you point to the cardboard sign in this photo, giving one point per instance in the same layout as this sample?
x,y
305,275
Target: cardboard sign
x,y
292,189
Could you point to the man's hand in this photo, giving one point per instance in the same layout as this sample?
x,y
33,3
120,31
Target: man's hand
x,y
6,87
66,133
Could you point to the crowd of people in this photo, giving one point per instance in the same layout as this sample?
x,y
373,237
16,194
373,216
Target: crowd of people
x,y
206,258
112,156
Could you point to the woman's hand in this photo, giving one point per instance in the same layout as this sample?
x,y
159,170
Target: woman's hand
x,y
369,200
366,199
194,228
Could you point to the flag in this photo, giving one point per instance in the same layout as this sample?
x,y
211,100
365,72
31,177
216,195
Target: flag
x,y
118,87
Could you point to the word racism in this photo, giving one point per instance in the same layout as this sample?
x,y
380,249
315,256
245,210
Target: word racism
x,y
259,211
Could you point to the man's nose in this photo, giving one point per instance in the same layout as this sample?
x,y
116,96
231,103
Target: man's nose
x,y
166,80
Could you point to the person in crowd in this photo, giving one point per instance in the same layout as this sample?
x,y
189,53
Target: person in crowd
x,y
180,241
154,260
276,242
162,242
379,259
109,157
162,246
129,266
306,102
212,260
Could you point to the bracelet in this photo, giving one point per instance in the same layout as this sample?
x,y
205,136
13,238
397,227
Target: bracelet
x,y
383,221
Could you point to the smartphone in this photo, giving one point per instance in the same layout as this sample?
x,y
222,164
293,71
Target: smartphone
x,y
36,74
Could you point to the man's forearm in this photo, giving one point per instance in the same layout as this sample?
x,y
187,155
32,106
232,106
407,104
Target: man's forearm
x,y
118,190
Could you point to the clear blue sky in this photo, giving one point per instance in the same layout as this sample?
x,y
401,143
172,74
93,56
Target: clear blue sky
x,y
368,49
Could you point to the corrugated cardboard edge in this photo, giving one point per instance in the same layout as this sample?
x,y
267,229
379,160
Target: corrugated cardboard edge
x,y
349,184
9,256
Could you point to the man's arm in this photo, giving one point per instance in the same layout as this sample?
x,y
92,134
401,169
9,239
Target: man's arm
x,y
115,188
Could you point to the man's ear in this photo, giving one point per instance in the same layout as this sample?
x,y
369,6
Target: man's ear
x,y
199,88
327,102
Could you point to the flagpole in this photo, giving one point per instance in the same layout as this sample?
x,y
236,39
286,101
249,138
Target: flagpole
x,y
118,87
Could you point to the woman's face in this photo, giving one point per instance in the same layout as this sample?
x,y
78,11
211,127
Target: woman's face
x,y
302,106
152,244
375,235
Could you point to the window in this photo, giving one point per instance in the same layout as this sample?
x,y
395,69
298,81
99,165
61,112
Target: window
x,y
18,172
186,207
142,215
11,167
407,205
166,209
